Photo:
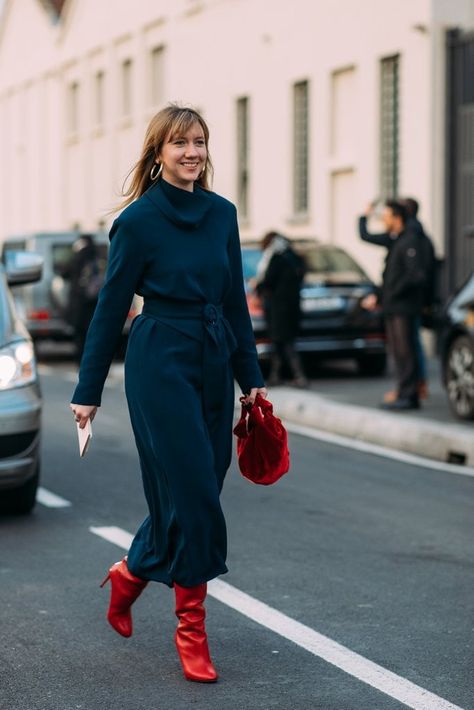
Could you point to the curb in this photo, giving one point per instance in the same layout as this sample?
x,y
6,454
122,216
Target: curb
x,y
449,443
445,442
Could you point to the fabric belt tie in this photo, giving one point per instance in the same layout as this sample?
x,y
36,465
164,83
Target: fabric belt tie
x,y
218,340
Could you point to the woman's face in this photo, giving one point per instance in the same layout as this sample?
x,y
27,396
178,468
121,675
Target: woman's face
x,y
184,157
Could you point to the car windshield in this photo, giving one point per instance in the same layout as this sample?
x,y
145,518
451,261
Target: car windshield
x,y
13,246
250,258
330,260
62,254
321,260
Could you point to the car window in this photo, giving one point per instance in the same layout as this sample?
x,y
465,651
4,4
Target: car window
x,y
62,254
331,261
250,258
5,309
320,260
465,296
19,245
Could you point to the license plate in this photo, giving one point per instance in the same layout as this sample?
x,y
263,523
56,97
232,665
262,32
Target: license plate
x,y
330,303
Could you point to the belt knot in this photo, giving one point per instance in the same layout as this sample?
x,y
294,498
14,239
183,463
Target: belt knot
x,y
212,313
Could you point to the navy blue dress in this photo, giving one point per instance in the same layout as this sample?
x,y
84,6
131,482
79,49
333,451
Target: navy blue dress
x,y
180,250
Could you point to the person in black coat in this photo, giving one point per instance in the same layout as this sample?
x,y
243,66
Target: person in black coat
x,y
428,256
176,244
85,278
402,299
386,240
279,277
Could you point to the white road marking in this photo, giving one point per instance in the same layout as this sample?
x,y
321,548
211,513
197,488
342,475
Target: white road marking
x,y
319,645
119,537
69,375
366,447
70,372
406,692
51,500
337,439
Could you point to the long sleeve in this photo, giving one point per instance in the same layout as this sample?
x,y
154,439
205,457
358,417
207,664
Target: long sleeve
x,y
244,359
382,239
125,268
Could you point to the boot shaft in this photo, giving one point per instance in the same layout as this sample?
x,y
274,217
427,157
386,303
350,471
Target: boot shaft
x,y
190,600
190,637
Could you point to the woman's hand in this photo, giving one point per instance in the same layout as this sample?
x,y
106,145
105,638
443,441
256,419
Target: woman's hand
x,y
250,398
83,412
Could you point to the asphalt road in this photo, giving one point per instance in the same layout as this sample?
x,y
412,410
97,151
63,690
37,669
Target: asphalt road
x,y
374,554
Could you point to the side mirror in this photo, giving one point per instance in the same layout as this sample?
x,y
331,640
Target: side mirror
x,y
23,267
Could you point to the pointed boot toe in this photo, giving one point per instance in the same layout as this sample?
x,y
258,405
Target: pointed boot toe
x,y
122,623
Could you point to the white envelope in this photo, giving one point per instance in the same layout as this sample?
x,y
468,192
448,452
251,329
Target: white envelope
x,y
84,436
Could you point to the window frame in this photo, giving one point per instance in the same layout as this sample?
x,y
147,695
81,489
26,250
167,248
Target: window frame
x,y
389,132
301,147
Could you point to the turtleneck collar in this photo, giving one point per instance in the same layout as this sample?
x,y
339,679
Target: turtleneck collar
x,y
183,208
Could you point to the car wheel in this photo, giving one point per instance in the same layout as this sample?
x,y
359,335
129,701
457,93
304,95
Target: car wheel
x,y
21,501
460,377
372,364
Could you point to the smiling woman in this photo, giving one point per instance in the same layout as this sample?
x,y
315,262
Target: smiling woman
x,y
176,142
178,246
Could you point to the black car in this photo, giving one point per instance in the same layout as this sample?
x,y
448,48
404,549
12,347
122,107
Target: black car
x,y
457,350
333,323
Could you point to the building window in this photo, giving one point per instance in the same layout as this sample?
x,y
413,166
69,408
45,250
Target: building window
x,y
243,156
389,126
73,107
126,107
343,126
300,146
156,76
99,84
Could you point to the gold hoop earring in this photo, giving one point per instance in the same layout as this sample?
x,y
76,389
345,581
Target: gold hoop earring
x,y
157,175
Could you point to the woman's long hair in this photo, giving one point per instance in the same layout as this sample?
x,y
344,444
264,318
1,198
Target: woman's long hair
x,y
172,121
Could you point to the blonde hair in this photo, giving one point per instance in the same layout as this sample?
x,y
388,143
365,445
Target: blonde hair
x,y
172,121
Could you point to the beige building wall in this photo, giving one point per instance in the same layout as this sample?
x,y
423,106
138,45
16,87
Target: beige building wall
x,y
65,151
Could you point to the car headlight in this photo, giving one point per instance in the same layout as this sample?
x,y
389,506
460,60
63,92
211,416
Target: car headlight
x,y
17,365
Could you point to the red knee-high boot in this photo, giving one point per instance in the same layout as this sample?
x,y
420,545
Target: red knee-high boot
x,y
191,638
125,589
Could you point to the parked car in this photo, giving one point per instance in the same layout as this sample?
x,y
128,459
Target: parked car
x,y
43,305
457,350
20,396
333,324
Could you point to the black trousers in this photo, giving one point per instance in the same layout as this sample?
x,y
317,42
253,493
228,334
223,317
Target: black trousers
x,y
401,336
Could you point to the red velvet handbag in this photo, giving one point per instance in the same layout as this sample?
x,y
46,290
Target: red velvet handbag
x,y
262,443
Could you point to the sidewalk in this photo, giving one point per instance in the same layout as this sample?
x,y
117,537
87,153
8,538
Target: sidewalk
x,y
342,402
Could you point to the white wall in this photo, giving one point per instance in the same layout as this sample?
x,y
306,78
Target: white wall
x,y
216,51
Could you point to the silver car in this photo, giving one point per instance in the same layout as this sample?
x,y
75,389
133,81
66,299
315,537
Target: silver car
x,y
20,396
44,305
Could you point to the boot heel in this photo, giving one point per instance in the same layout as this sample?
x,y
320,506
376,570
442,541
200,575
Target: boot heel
x,y
102,584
